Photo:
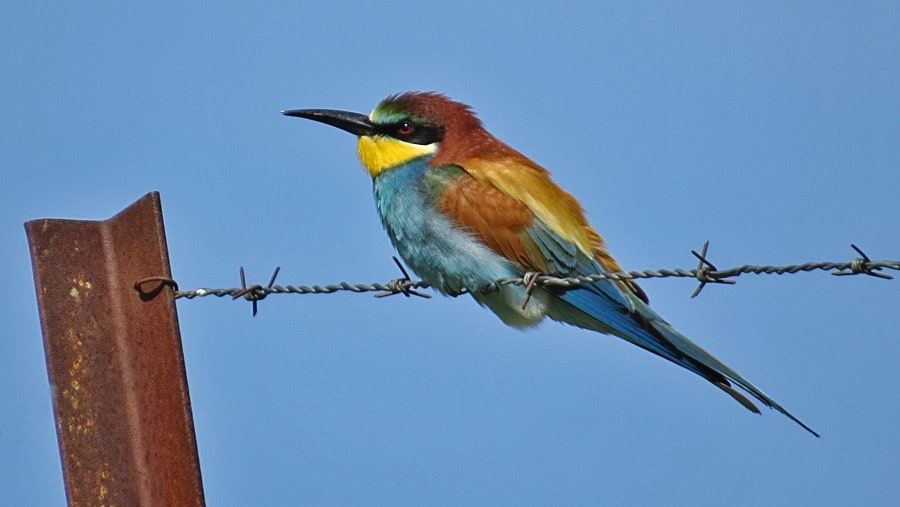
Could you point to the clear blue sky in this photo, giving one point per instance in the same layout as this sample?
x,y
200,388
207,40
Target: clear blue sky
x,y
771,129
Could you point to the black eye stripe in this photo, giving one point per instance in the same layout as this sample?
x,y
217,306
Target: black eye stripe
x,y
411,132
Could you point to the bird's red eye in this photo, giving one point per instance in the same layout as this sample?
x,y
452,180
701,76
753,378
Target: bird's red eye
x,y
405,128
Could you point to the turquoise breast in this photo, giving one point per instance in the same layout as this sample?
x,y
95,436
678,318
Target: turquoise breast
x,y
444,255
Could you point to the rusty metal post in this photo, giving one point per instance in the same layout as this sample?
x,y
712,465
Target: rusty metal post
x,y
114,357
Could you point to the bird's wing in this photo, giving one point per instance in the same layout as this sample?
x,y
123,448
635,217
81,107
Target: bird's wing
x,y
519,212
515,209
503,199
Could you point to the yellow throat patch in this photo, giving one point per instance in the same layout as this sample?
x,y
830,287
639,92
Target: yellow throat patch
x,y
378,153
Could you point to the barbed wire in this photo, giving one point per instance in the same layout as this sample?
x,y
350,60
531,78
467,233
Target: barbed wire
x,y
705,273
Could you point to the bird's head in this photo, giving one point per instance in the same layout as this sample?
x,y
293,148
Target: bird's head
x,y
405,127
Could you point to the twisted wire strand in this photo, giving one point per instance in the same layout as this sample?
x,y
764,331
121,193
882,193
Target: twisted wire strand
x,y
705,273
391,287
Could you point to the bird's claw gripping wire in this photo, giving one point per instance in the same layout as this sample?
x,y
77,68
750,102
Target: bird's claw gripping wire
x,y
256,292
862,265
405,285
530,278
706,271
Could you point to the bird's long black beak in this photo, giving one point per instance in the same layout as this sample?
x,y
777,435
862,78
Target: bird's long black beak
x,y
355,123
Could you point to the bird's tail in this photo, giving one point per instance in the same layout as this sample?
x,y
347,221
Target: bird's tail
x,y
695,354
593,308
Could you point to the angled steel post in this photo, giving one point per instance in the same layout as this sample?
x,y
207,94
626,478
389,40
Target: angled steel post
x,y
114,358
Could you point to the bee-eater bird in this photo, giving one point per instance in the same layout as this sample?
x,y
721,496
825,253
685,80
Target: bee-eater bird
x,y
464,209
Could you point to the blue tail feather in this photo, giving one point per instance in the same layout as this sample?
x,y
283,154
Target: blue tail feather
x,y
601,308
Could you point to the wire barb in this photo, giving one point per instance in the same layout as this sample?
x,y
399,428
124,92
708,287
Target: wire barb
x,y
403,285
863,265
706,271
255,293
